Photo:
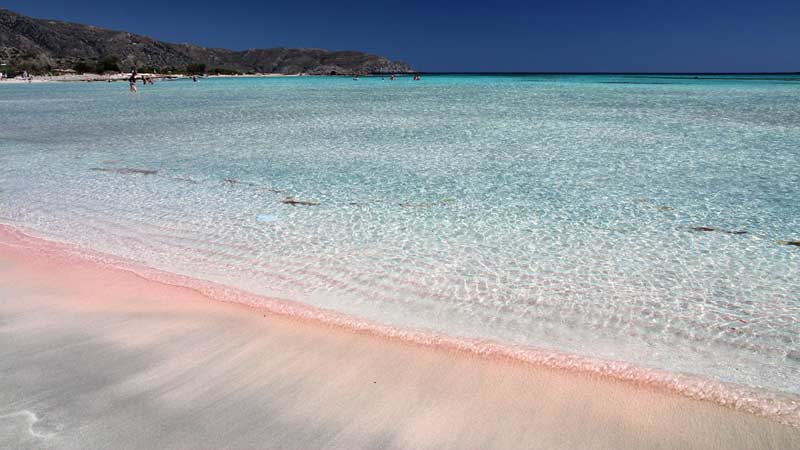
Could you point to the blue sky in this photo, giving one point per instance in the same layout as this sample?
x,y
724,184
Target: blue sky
x,y
434,35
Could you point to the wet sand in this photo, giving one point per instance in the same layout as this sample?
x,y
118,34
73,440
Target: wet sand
x,y
97,357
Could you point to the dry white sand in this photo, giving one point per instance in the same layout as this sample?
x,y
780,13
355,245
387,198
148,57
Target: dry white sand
x,y
92,357
83,78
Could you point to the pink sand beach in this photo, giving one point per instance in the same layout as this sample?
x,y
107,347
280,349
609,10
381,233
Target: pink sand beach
x,y
93,357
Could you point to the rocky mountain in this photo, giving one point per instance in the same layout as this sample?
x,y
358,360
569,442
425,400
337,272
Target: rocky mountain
x,y
41,45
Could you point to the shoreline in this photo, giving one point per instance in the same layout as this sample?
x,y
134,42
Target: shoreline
x,y
87,78
93,77
782,408
95,356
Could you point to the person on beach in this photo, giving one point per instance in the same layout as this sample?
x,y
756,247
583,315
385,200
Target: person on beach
x,y
132,81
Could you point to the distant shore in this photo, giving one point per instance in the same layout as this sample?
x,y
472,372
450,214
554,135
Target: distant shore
x,y
94,77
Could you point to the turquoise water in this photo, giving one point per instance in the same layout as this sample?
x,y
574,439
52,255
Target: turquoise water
x,y
549,211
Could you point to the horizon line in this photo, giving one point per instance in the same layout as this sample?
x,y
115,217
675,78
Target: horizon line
x,y
447,72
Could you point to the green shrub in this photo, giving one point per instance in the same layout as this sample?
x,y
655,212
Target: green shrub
x,y
222,71
83,67
196,69
108,64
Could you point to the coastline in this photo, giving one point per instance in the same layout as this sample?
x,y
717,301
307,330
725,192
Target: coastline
x,y
93,77
140,360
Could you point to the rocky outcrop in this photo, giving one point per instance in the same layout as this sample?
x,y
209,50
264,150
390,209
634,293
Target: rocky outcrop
x,y
43,45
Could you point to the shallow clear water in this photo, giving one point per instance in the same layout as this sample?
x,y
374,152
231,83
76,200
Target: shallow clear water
x,y
550,211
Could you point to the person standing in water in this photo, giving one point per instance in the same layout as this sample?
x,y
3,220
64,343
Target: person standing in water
x,y
132,81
